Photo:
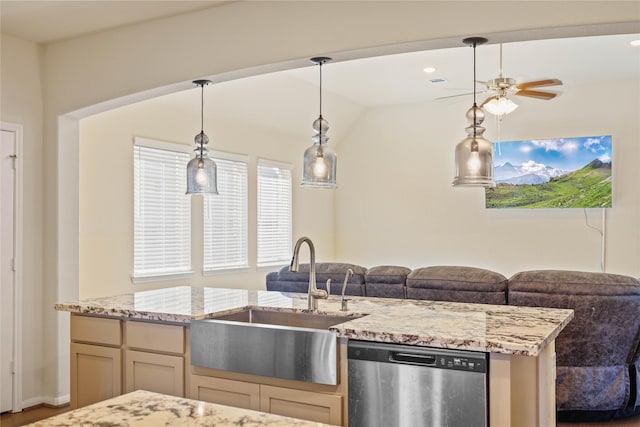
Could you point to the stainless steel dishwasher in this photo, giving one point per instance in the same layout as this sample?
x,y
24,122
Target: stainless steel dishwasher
x,y
408,386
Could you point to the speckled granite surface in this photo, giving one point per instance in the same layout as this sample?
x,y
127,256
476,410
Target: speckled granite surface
x,y
143,408
481,327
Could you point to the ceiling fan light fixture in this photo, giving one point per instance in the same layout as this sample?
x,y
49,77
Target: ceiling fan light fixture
x,y
500,105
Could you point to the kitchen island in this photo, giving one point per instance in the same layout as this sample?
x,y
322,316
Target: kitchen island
x,y
142,339
145,408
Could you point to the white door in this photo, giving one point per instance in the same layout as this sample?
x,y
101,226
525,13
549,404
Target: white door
x,y
7,273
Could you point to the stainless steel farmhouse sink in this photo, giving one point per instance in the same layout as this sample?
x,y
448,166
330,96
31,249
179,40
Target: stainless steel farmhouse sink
x,y
286,318
288,345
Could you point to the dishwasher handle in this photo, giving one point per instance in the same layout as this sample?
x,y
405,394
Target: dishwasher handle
x,y
412,358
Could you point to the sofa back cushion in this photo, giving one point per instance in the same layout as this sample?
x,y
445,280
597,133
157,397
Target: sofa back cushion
x,y
298,281
458,284
387,281
595,351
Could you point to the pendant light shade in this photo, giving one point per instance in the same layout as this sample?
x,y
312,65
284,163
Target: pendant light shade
x,y
201,170
474,154
319,165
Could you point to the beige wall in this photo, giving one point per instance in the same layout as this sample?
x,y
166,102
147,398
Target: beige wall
x,y
21,103
106,194
401,209
246,36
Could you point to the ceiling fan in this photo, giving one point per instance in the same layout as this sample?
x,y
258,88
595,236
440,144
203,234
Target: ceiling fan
x,y
500,103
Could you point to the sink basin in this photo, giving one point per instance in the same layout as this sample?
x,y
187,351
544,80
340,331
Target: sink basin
x,y
288,345
287,318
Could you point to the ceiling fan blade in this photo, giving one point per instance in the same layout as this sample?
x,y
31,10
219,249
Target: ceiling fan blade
x,y
455,96
464,94
536,94
538,83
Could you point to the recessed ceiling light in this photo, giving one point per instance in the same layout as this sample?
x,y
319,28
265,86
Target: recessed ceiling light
x,y
635,42
429,70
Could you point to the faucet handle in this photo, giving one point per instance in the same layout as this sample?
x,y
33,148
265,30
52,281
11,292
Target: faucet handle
x,y
328,287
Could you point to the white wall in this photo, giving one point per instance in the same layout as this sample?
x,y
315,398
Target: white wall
x,y
21,101
106,193
401,209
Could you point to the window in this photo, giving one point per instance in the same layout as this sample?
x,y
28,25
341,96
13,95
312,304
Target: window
x,y
162,212
274,213
225,216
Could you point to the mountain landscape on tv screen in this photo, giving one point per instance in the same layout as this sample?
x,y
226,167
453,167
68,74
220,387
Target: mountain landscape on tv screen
x,y
554,173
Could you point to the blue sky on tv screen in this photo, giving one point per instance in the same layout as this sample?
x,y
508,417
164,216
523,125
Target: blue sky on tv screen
x,y
563,153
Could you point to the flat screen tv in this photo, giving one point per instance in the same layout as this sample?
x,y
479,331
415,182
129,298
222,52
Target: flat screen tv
x,y
552,173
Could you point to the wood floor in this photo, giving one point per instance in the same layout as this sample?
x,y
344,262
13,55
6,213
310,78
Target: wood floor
x,y
41,412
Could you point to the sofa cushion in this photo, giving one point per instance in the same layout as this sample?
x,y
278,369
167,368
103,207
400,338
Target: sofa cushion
x,y
335,271
386,281
387,274
298,281
458,284
574,283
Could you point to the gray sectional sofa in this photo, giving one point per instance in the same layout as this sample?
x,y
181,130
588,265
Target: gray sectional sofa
x,y
598,353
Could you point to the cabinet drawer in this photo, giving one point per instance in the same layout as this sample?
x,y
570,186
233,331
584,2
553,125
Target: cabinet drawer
x,y
97,330
307,405
155,337
238,394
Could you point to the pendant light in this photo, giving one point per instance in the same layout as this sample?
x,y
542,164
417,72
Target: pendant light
x,y
201,170
474,154
319,166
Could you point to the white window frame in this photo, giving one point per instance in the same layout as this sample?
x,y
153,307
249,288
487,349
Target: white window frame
x,y
236,234
185,269
284,246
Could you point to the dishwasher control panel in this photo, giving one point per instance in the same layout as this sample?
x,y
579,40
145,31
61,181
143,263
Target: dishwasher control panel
x,y
469,361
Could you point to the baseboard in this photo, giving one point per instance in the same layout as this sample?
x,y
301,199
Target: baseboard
x,y
47,400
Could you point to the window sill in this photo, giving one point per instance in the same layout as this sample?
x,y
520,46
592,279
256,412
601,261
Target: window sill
x,y
161,277
270,265
231,270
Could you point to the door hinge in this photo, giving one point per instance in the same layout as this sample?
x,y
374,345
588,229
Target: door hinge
x,y
13,157
13,265
12,366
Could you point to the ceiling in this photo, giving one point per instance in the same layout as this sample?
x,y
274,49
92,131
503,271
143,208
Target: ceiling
x,y
351,86
52,20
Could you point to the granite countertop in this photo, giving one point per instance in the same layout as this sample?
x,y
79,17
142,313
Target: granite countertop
x,y
480,327
144,408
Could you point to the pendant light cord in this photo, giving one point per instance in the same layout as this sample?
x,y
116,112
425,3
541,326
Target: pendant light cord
x,y
320,64
475,106
201,119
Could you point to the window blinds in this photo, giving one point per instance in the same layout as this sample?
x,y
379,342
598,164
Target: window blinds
x,y
274,213
225,216
162,212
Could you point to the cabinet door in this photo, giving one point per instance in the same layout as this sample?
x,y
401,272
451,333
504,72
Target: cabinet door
x,y
95,374
225,392
307,405
160,373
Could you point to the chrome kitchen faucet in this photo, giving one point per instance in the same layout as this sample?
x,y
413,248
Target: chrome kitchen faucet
x,y
313,293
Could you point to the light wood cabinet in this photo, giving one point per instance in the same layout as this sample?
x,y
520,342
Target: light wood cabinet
x,y
95,374
160,373
112,356
319,407
238,394
96,359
